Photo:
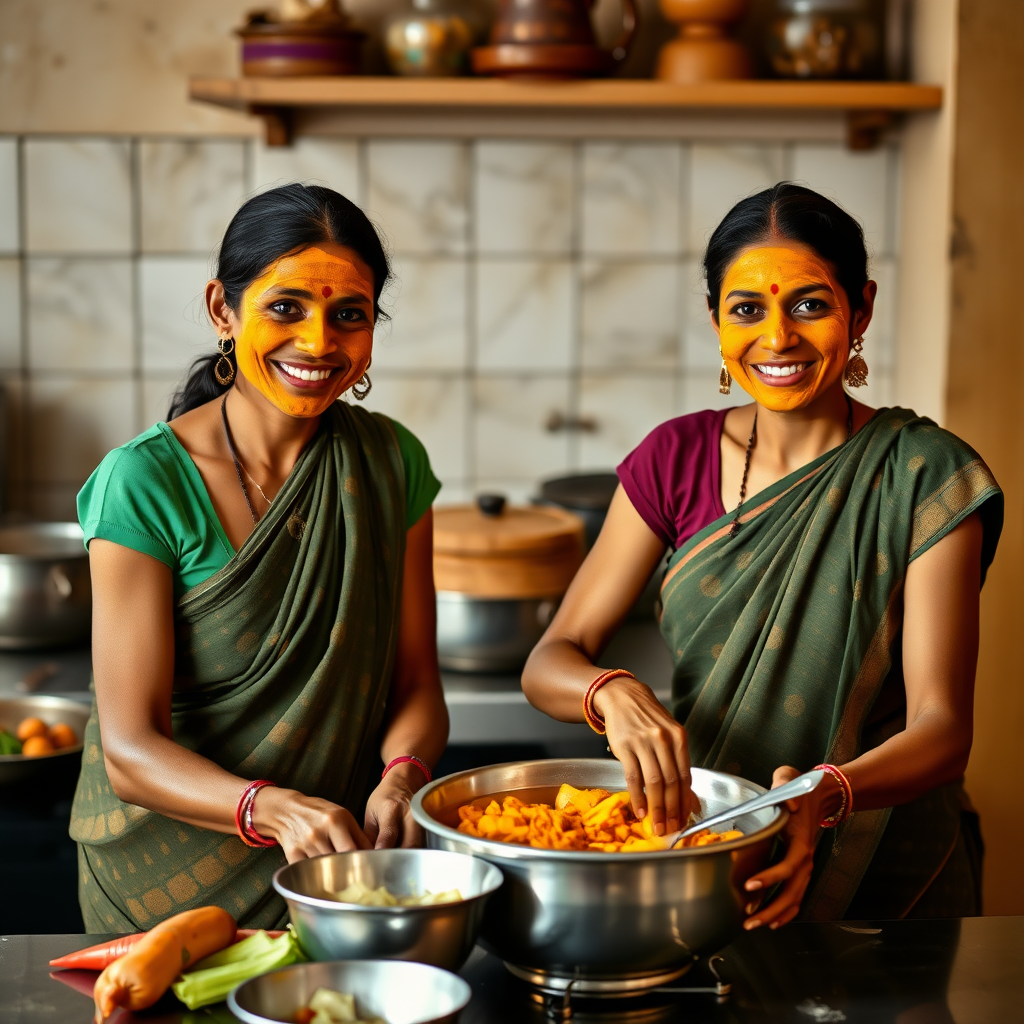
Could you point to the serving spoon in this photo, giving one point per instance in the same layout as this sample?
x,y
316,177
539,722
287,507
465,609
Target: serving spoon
x,y
800,786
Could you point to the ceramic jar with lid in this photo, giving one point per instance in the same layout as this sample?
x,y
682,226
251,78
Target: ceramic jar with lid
x,y
826,39
432,38
500,571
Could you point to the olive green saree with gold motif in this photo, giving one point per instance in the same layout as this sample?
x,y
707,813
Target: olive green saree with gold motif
x,y
282,665
787,637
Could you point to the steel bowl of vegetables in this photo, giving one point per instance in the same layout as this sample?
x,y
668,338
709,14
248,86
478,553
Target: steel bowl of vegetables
x,y
424,905
40,743
591,896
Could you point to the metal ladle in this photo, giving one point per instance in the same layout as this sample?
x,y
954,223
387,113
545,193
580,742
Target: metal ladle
x,y
800,786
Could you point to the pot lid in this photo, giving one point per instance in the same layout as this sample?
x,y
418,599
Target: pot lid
x,y
493,526
589,491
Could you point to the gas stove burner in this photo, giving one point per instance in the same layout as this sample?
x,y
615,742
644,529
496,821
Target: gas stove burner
x,y
623,987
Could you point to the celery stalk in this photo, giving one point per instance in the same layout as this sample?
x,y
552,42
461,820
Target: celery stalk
x,y
208,983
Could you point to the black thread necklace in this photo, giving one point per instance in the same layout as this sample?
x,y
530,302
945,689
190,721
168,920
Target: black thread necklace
x,y
234,459
735,527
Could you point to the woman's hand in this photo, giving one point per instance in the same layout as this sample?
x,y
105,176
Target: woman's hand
x,y
651,745
800,836
305,826
389,820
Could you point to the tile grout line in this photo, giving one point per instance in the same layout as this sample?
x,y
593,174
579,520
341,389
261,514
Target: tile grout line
x,y
574,412
470,353
135,178
24,399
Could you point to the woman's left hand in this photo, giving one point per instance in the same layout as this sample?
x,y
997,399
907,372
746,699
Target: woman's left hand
x,y
800,836
389,820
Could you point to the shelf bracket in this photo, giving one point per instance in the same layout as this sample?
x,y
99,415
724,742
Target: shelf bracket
x,y
277,124
864,128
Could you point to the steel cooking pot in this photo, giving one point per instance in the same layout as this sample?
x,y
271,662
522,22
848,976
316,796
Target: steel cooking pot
x,y
45,591
611,922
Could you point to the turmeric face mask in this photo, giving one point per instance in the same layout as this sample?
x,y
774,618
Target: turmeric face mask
x,y
784,325
306,331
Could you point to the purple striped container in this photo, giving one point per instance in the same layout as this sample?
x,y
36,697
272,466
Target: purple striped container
x,y
288,50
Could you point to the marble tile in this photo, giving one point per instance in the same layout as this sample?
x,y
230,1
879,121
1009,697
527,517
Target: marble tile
x,y
10,317
720,175
418,194
311,160
880,337
74,422
175,328
15,438
190,190
626,407
157,390
433,407
10,232
860,182
523,197
427,303
78,196
524,314
511,439
631,197
698,339
698,389
630,314
80,315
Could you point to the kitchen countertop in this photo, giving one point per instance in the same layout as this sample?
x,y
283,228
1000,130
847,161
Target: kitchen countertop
x,y
905,972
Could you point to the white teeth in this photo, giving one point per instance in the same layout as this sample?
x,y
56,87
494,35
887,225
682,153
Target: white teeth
x,y
770,370
305,374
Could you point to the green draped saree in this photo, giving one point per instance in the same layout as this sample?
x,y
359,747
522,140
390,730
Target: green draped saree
x,y
786,639
282,664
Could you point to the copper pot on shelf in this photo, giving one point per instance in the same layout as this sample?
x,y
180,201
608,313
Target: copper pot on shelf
x,y
551,39
703,50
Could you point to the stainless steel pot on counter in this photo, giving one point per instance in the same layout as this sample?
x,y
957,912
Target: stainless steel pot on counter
x,y
500,572
45,591
610,923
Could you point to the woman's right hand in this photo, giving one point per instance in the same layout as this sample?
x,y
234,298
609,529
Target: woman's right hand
x,y
306,826
651,745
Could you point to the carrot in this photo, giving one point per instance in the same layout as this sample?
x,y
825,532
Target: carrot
x,y
140,977
95,958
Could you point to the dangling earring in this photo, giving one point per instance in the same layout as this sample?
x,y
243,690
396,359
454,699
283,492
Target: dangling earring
x,y
856,374
724,379
224,369
362,387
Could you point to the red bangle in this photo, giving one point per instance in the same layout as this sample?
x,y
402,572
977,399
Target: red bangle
x,y
846,807
408,759
594,720
243,815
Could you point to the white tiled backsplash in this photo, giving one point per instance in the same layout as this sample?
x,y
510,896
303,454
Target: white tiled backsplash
x,y
533,280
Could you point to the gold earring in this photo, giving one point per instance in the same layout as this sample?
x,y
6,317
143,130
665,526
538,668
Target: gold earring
x,y
724,379
856,374
224,369
362,387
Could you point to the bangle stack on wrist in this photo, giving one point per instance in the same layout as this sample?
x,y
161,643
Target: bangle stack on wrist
x,y
846,807
243,815
408,759
593,719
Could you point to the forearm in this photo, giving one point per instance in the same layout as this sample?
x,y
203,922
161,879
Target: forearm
x,y
556,678
417,724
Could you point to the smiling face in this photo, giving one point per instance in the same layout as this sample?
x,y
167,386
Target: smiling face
x,y
304,332
785,325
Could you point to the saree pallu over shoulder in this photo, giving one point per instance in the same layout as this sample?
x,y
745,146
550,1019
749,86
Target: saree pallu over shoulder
x,y
782,636
283,660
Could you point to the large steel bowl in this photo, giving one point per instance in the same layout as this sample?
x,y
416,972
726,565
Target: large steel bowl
x,y
612,921
442,934
400,993
52,774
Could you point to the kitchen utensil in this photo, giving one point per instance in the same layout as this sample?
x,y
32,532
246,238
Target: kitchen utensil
x,y
703,51
398,992
826,39
500,571
53,773
607,922
45,592
800,786
441,934
431,38
551,39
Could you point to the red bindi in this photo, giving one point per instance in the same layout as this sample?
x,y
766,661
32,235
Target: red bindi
x,y
775,289
327,290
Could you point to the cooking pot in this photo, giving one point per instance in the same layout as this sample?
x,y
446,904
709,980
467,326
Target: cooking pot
x,y
45,591
588,495
610,923
500,572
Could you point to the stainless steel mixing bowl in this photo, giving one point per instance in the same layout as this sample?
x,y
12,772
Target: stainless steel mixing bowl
x,y
50,772
442,934
400,993
613,921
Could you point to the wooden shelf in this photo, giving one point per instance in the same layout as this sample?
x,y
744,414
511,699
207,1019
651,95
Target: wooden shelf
x,y
870,106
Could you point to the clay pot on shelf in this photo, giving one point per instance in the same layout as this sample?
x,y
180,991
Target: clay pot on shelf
x,y
551,39
704,50
322,44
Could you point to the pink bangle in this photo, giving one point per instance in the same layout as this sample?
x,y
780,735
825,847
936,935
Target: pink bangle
x,y
243,815
846,807
593,719
408,759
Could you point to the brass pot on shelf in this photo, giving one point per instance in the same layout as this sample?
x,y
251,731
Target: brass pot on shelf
x,y
704,51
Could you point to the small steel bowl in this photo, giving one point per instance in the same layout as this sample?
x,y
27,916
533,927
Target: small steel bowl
x,y
56,771
400,993
442,935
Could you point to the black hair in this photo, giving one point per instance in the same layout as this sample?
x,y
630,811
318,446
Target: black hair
x,y
265,228
798,214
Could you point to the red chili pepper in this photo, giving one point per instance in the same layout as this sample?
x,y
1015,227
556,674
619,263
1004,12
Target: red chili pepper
x,y
96,958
